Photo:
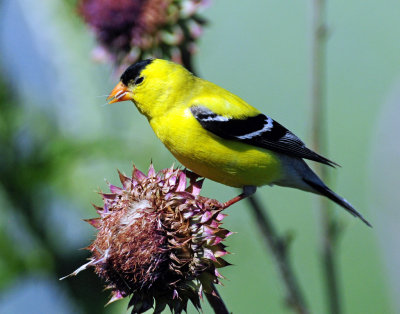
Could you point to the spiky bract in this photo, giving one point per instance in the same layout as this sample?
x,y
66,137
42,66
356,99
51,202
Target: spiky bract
x,y
158,240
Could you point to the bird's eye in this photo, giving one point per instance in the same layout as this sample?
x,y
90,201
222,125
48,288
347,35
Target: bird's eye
x,y
139,80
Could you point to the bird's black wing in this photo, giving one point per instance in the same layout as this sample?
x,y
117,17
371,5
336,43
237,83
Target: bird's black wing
x,y
259,130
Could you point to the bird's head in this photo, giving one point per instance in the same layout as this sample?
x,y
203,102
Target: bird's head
x,y
154,85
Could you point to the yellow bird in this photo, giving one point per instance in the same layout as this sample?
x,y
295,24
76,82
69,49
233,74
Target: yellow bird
x,y
218,135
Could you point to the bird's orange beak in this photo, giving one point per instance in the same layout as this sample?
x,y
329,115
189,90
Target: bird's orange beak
x,y
120,93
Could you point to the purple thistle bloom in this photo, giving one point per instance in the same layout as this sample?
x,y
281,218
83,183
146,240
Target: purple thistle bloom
x,y
158,240
129,30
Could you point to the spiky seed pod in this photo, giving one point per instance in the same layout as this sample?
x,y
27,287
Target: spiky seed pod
x,y
129,30
158,240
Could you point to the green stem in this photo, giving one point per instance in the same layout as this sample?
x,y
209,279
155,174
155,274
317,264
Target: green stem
x,y
328,222
216,302
279,248
187,59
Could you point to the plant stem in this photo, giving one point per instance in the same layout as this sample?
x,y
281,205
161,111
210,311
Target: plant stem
x,y
216,302
187,59
279,248
328,223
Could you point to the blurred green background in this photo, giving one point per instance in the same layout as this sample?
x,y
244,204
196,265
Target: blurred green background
x,y
58,141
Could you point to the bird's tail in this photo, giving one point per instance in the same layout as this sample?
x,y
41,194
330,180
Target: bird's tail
x,y
322,189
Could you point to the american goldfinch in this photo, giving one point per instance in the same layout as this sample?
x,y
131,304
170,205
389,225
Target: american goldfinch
x,y
218,135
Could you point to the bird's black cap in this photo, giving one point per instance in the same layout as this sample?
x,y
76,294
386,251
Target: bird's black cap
x,y
134,70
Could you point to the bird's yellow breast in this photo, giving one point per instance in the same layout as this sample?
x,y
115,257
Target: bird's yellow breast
x,y
225,161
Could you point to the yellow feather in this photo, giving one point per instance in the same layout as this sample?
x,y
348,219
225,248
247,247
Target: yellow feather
x,y
228,162
165,93
165,98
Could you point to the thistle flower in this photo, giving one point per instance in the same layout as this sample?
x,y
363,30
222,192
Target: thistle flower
x,y
129,30
158,240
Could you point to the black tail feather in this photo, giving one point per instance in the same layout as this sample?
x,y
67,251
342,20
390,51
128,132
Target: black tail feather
x,y
325,191
319,158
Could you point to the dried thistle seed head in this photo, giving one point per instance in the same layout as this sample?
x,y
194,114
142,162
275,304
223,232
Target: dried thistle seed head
x,y
158,240
129,30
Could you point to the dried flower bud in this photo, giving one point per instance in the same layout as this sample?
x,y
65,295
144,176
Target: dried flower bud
x,y
158,240
152,27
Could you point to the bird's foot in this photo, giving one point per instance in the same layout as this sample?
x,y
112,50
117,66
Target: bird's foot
x,y
248,190
233,200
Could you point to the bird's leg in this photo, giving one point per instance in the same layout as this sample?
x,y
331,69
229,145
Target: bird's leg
x,y
248,190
